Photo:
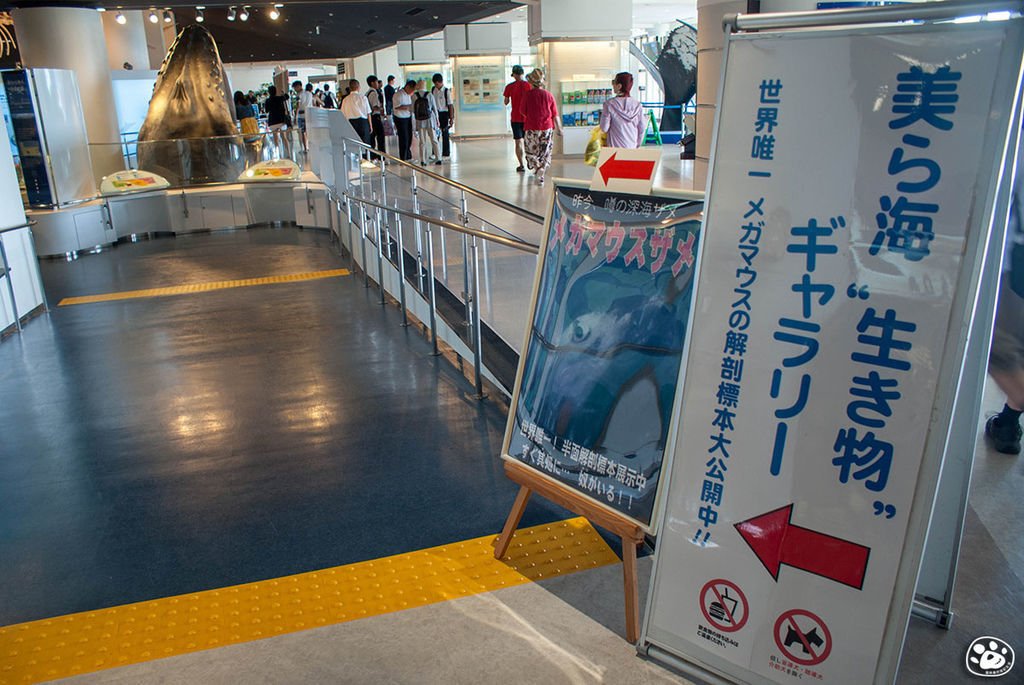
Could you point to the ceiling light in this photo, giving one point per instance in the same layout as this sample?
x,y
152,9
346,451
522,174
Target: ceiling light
x,y
101,9
121,19
152,17
167,17
275,11
199,15
231,13
244,14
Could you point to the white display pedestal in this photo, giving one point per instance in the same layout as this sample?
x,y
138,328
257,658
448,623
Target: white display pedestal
x,y
93,225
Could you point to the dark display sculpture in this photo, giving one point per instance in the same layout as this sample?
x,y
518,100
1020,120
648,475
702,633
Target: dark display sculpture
x,y
677,63
190,135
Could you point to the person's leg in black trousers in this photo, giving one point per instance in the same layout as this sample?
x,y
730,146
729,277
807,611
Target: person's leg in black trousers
x,y
444,120
403,126
362,129
377,133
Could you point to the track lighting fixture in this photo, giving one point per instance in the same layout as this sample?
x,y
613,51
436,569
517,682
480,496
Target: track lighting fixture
x,y
199,14
121,19
244,14
232,12
275,12
152,17
167,17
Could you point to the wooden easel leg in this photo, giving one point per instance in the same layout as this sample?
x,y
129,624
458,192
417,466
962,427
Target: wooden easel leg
x,y
512,522
632,591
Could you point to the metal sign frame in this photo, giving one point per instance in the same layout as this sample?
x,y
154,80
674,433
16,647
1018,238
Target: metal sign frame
x,y
933,599
988,191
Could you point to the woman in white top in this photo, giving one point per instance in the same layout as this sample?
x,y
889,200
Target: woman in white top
x,y
424,115
445,113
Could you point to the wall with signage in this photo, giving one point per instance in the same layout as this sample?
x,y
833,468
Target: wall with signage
x,y
480,84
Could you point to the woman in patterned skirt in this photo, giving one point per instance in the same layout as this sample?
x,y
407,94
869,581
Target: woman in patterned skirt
x,y
541,122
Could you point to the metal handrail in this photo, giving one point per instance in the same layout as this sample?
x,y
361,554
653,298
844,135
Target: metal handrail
x,y
521,245
507,206
27,224
918,11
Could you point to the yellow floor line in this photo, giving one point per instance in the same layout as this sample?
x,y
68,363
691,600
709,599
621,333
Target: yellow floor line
x,y
201,287
96,640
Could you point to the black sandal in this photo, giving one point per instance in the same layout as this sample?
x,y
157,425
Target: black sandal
x,y
521,169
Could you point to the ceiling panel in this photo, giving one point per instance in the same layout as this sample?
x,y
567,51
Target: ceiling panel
x,y
310,29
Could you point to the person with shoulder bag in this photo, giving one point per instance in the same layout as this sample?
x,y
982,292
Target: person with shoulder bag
x,y
445,113
426,123
375,97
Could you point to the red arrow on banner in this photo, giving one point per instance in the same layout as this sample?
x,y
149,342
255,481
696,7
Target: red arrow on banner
x,y
776,541
639,170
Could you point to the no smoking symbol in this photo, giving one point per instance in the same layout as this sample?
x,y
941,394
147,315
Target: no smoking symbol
x,y
724,605
803,637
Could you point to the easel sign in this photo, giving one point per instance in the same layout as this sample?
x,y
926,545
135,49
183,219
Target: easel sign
x,y
592,404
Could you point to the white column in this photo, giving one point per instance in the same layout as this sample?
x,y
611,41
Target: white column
x,y
158,42
72,38
126,43
710,41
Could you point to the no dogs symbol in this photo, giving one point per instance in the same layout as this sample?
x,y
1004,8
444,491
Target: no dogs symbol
x,y
803,637
724,605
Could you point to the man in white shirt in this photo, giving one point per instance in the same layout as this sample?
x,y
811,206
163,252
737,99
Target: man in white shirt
x,y
356,109
403,119
445,113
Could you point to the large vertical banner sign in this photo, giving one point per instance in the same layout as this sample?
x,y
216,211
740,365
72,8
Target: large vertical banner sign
x,y
850,185
597,379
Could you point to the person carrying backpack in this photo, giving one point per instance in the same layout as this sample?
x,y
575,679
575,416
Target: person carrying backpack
x,y
445,113
424,113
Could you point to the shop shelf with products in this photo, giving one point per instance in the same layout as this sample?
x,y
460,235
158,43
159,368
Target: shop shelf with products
x,y
580,102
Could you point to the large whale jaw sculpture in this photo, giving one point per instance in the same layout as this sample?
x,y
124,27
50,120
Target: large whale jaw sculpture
x,y
189,135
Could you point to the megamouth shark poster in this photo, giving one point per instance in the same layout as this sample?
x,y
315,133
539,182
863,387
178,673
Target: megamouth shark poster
x,y
598,374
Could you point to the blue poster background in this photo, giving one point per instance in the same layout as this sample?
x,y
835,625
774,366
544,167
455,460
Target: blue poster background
x,y
604,347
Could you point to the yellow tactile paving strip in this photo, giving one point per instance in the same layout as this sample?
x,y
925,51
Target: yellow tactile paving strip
x,y
96,640
193,288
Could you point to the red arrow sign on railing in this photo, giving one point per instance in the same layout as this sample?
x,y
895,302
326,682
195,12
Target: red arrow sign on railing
x,y
640,170
776,541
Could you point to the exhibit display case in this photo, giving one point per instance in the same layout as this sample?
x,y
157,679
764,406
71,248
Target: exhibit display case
x,y
52,146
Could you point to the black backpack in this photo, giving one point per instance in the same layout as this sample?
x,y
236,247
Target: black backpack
x,y
421,108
